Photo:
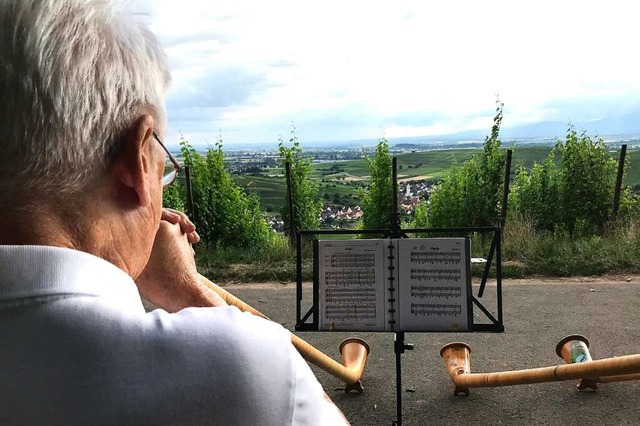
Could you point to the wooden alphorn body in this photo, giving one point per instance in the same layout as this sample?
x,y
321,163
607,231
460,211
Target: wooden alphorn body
x,y
354,351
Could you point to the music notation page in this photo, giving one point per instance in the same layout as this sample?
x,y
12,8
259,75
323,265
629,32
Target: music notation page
x,y
434,284
352,278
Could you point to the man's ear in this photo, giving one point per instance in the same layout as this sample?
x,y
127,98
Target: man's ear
x,y
135,163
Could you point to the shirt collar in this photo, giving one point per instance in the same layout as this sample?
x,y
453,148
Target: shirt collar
x,y
36,271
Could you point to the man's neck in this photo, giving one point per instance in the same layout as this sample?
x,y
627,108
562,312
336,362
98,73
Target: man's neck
x,y
100,227
88,236
38,226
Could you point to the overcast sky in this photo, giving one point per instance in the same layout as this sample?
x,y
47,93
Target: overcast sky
x,y
346,69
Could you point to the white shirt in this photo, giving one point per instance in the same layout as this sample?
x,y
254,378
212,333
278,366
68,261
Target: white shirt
x,y
77,347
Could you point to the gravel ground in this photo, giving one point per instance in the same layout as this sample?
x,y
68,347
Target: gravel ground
x,y
537,314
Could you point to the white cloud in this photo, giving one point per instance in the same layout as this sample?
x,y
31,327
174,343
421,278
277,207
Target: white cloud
x,y
443,62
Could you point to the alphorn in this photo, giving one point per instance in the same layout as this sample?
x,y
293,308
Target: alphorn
x,y
354,351
457,362
575,349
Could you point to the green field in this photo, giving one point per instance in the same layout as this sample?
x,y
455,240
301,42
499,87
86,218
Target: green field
x,y
272,190
427,163
633,174
341,180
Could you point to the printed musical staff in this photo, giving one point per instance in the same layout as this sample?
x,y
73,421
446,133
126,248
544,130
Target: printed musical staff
x,y
350,295
350,278
436,256
350,303
350,274
428,292
353,260
350,312
434,284
435,274
436,309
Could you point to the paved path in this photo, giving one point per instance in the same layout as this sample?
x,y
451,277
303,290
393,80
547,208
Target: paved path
x,y
537,314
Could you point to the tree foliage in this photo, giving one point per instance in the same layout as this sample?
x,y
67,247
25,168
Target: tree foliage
x,y
306,199
421,215
377,198
470,194
226,215
587,180
535,194
174,196
575,197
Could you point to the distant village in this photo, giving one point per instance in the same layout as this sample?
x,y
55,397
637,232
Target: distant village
x,y
342,216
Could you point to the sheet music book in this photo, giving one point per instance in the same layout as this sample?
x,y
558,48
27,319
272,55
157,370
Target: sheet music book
x,y
405,284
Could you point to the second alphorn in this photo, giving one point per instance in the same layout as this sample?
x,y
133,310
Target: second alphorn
x,y
457,362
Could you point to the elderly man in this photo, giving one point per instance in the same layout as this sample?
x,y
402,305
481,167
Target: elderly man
x,y
83,233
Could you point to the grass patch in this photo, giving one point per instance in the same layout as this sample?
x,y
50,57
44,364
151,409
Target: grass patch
x,y
618,251
276,261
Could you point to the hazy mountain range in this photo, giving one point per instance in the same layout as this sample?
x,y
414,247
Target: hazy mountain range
x,y
625,127
628,124
621,127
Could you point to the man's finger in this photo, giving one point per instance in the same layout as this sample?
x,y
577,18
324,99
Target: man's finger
x,y
175,216
170,216
187,227
182,215
193,237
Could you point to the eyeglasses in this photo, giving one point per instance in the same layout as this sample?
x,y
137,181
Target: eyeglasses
x,y
169,177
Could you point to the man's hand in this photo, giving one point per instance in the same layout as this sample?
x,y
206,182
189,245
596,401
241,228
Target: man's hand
x,y
177,217
170,279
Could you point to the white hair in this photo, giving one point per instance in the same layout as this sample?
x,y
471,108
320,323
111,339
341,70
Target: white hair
x,y
74,75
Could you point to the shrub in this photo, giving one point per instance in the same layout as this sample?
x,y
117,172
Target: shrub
x,y
306,200
575,197
174,196
535,195
587,180
377,198
470,195
420,215
226,215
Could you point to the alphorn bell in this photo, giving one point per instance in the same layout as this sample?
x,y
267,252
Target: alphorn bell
x,y
354,351
457,361
575,349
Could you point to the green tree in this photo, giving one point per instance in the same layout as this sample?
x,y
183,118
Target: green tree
x,y
587,175
226,215
420,215
535,195
470,195
492,171
377,198
574,197
306,200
